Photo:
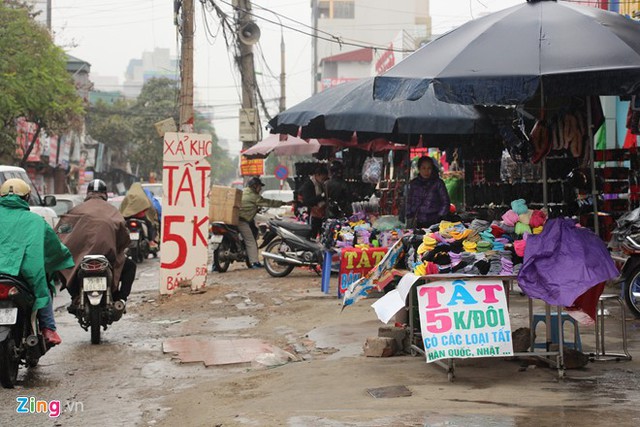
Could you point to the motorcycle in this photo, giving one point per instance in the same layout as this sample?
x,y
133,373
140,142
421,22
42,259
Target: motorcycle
x,y
96,308
631,273
625,251
21,342
139,247
288,245
228,246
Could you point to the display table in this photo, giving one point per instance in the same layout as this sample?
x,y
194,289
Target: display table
x,y
460,315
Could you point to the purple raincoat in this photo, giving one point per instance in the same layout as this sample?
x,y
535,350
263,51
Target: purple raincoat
x,y
563,262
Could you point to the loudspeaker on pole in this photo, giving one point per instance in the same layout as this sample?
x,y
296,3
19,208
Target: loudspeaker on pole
x,y
249,33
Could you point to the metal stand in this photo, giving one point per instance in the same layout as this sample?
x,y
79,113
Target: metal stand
x,y
601,355
449,365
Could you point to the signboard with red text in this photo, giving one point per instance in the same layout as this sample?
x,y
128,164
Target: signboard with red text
x,y
185,209
355,263
464,318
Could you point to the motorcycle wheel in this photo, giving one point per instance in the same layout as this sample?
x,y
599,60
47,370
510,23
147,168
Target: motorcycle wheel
x,y
632,292
8,362
224,246
273,267
143,250
94,317
133,254
32,362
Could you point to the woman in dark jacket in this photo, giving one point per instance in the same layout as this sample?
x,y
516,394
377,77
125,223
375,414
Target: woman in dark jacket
x,y
427,199
312,196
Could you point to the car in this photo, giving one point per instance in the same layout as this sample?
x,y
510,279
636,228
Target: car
x,y
40,205
265,214
65,202
155,188
116,201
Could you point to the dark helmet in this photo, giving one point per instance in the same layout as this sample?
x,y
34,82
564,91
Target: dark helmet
x,y
255,181
97,186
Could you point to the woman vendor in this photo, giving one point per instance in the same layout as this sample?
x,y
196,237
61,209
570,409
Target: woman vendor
x,y
427,200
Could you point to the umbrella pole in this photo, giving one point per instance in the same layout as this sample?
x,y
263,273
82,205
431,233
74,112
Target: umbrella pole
x,y
545,189
594,191
545,202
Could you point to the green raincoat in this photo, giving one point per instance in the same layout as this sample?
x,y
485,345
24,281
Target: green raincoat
x,y
31,249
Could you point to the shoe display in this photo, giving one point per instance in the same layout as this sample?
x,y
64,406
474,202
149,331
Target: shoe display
x,y
51,336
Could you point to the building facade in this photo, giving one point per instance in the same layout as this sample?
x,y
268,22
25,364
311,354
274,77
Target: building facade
x,y
353,36
155,64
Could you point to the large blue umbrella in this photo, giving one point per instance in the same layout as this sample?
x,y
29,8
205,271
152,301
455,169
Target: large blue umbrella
x,y
508,57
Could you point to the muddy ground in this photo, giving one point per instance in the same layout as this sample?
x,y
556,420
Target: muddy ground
x,y
128,380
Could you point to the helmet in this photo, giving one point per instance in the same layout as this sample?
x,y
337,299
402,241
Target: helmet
x,y
255,181
97,186
15,186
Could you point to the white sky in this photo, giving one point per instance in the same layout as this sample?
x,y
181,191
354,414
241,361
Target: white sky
x,y
108,33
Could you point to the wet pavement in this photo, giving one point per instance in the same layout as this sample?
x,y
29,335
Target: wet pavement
x,y
127,380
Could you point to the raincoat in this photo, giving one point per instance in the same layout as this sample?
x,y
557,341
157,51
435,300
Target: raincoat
x,y
30,248
252,202
563,262
136,201
94,228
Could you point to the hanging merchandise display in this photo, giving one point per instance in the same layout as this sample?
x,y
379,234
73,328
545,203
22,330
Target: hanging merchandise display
x,y
372,170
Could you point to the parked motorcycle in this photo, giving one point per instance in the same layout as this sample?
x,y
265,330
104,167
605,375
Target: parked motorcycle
x,y
139,247
21,342
631,273
228,246
625,248
288,245
96,308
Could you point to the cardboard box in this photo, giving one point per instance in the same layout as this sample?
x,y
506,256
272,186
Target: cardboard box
x,y
224,204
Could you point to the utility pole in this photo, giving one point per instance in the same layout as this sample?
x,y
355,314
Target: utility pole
x,y
248,35
186,74
283,87
314,42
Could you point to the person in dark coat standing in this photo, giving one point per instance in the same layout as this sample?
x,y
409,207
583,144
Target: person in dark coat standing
x,y
339,197
427,200
312,194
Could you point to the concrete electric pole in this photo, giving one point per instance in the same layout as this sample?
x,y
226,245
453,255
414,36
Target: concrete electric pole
x,y
186,72
283,86
248,35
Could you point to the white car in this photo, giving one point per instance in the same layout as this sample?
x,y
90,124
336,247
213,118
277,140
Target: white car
x,y
283,196
155,188
265,214
65,202
40,205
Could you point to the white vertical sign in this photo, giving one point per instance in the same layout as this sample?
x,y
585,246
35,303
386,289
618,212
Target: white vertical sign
x,y
185,210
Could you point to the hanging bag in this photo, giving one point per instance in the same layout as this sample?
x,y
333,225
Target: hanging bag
x,y
372,170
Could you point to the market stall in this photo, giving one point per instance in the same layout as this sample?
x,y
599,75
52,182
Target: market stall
x,y
547,89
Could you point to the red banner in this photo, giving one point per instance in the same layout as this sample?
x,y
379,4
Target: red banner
x,y
250,167
355,263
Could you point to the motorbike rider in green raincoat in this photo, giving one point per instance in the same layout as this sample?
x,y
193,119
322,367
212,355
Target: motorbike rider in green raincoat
x,y
31,251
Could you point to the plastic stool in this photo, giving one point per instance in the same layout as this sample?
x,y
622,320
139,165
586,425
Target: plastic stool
x,y
601,355
537,318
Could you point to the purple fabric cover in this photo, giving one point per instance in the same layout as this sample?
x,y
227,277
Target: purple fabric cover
x,y
563,262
